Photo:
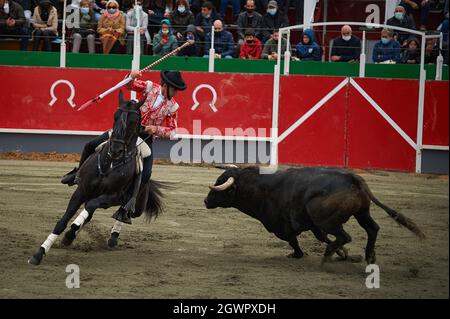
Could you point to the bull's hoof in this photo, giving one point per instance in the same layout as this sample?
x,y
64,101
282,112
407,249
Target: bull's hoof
x,y
37,257
68,238
296,255
113,240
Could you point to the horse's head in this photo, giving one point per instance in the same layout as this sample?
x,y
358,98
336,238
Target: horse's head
x,y
127,121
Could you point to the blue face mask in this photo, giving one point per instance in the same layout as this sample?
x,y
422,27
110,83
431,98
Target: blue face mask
x,y
385,40
84,10
112,11
190,37
272,12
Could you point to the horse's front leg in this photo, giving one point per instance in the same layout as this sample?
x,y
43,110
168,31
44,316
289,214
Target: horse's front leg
x,y
115,232
75,202
103,201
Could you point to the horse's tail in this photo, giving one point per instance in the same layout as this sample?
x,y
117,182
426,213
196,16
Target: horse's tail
x,y
398,217
154,206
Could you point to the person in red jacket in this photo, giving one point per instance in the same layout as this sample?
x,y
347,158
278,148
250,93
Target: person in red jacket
x,y
251,48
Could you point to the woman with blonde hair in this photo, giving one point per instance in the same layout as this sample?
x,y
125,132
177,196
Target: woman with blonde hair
x,y
111,26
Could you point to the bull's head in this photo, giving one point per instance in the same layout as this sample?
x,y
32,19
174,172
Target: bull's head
x,y
223,193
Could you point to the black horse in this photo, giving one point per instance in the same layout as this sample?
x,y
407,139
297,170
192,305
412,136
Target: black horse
x,y
109,178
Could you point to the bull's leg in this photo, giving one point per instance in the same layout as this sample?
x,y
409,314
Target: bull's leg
x,y
371,227
103,201
342,238
291,238
75,202
322,236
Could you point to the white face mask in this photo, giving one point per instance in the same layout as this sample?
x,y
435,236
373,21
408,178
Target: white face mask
x,y
272,11
165,31
346,37
181,9
6,8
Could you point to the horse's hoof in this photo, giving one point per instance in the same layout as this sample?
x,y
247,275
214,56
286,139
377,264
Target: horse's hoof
x,y
37,257
295,255
113,240
68,238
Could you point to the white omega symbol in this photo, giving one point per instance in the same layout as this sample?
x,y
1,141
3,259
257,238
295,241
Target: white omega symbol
x,y
72,92
213,91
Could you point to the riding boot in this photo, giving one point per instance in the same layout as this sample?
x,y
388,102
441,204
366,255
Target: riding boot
x,y
121,215
69,178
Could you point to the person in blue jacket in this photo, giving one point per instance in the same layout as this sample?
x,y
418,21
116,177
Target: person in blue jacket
x,y
308,49
223,42
387,49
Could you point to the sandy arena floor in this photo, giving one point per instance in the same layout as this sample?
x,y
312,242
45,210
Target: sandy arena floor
x,y
191,252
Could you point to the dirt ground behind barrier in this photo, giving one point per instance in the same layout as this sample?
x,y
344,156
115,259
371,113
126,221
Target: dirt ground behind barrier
x,y
191,252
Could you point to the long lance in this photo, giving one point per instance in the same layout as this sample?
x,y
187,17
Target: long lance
x,y
128,79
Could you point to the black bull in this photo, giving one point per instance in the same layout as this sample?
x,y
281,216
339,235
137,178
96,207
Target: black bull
x,y
300,199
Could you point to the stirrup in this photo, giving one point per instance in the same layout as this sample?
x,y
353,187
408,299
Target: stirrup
x,y
69,178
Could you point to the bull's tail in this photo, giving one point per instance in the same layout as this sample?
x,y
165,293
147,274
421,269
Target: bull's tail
x,y
398,217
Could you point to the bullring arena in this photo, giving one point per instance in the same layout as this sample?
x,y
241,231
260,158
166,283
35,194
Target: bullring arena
x,y
325,121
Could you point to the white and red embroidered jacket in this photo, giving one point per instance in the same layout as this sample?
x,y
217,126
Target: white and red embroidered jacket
x,y
156,110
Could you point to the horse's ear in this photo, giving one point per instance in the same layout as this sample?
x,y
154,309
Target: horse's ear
x,y
121,101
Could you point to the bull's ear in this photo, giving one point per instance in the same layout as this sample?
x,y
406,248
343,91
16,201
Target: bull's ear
x,y
121,101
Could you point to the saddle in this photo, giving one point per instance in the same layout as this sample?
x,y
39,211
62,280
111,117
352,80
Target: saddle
x,y
143,151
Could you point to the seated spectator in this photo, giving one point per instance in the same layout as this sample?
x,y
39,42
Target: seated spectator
x,y
251,48
12,22
111,26
45,24
86,28
431,51
423,5
308,49
99,6
131,23
164,41
249,20
271,47
347,47
181,17
223,42
402,20
273,19
159,10
261,6
205,19
28,8
190,35
236,8
411,54
387,49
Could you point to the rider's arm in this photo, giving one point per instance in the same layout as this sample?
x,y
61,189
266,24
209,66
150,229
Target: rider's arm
x,y
168,127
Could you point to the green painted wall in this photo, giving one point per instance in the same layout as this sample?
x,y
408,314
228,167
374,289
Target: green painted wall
x,y
123,61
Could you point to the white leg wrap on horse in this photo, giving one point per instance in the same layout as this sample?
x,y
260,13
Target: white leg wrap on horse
x,y
79,221
49,242
117,227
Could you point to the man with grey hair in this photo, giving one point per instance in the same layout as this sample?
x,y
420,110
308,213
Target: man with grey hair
x,y
347,47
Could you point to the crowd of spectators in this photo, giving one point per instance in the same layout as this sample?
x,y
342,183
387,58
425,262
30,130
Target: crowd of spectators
x,y
165,24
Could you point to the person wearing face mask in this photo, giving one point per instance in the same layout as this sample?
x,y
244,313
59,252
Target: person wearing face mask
x,y
131,23
181,17
164,41
250,19
402,20
111,26
45,24
191,36
205,19
422,5
86,28
223,42
12,22
387,50
274,19
251,48
347,47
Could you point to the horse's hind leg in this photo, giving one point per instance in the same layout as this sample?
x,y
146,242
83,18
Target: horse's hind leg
x,y
103,201
75,202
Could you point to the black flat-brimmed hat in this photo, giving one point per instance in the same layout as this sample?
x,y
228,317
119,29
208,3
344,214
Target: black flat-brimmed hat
x,y
173,79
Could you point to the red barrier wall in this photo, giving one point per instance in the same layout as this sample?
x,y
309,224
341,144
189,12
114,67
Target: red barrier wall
x,y
345,131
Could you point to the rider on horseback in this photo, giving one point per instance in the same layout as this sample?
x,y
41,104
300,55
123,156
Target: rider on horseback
x,y
158,113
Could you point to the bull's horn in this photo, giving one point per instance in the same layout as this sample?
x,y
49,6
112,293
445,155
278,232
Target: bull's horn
x,y
224,186
226,166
